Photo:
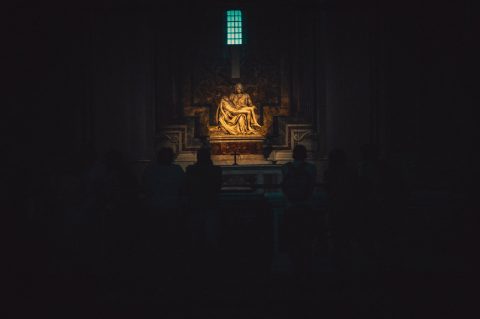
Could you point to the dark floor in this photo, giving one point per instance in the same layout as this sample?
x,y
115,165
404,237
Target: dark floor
x,y
423,274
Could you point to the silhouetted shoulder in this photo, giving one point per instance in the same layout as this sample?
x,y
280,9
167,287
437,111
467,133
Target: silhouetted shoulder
x,y
217,169
309,167
178,169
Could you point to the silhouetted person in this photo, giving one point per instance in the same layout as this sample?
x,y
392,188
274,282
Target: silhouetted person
x,y
103,191
162,184
299,178
298,184
110,184
89,193
121,185
202,188
341,184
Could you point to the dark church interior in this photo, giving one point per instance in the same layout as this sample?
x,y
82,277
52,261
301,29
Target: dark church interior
x,y
238,159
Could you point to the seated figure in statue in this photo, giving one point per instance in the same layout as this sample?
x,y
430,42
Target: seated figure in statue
x,y
236,113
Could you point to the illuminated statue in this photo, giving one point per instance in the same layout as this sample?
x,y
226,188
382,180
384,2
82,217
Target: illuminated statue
x,y
236,113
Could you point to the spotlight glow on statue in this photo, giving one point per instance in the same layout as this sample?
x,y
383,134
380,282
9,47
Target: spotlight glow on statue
x,y
236,113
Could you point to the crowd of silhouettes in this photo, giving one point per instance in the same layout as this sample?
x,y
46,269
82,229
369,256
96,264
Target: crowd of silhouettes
x,y
101,226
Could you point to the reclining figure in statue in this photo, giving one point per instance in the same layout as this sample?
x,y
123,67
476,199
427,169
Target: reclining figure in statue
x,y
236,113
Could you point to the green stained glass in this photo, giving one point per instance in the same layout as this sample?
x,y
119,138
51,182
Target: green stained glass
x,y
234,27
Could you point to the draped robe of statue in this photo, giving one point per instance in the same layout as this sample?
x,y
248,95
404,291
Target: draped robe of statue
x,y
236,114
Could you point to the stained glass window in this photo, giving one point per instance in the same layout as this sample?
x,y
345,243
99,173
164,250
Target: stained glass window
x,y
234,27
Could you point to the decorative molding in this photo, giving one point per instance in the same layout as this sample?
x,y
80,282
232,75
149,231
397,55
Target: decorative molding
x,y
185,145
177,135
295,133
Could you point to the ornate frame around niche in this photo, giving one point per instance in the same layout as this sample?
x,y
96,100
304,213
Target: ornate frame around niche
x,y
264,79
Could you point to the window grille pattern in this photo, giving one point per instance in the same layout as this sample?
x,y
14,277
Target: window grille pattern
x,y
234,27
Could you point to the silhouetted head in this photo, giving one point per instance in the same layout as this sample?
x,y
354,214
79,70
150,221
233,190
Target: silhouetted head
x,y
299,152
203,156
165,156
337,157
238,88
